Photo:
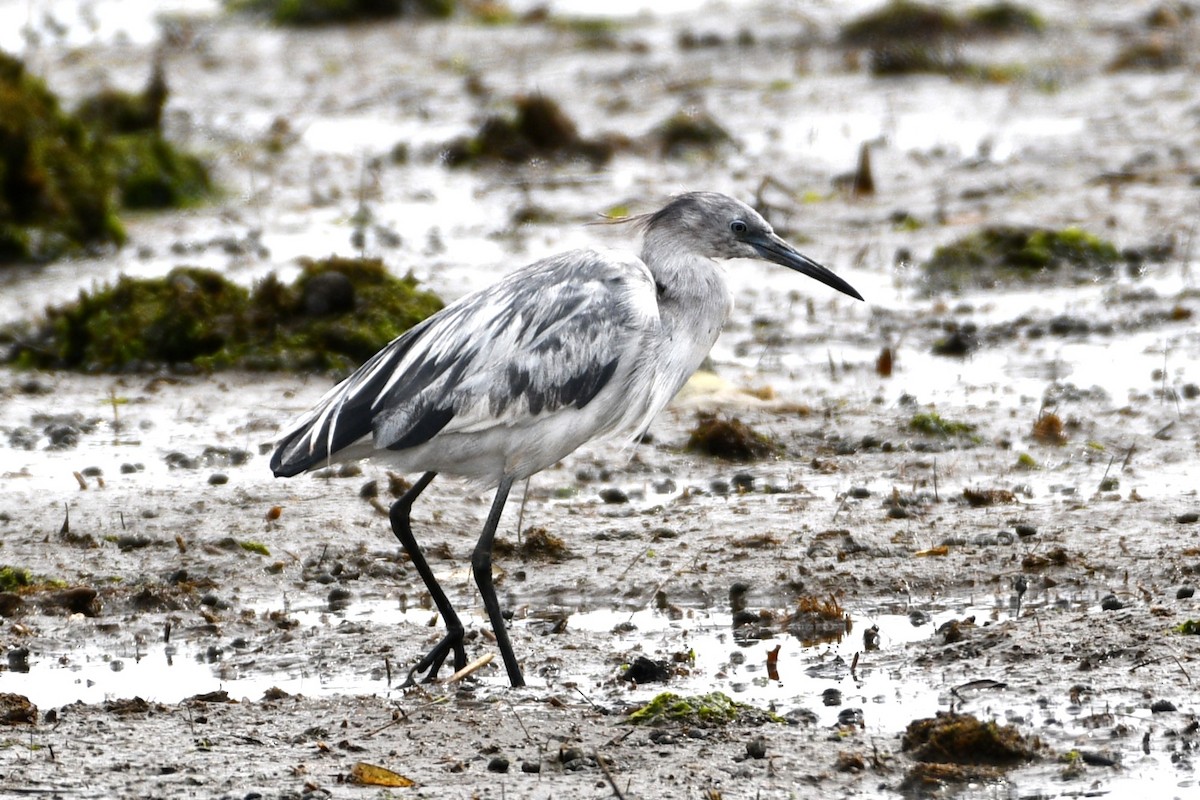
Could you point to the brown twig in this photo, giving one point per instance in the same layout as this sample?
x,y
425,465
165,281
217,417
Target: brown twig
x,y
474,666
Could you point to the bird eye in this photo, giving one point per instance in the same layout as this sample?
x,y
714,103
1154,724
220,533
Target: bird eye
x,y
738,227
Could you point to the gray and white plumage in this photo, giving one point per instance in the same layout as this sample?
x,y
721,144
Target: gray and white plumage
x,y
510,379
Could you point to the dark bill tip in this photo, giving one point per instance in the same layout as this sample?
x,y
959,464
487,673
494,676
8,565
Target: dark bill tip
x,y
778,251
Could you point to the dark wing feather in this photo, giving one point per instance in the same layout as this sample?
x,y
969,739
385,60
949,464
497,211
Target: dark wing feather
x,y
545,338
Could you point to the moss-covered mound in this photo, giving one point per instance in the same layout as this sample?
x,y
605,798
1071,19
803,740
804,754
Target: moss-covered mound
x,y
56,186
905,37
963,739
334,316
537,128
730,439
1006,254
707,710
62,174
326,12
151,173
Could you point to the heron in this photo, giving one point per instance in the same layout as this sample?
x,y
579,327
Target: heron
x,y
510,379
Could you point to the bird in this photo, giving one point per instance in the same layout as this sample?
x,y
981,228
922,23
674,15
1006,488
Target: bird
x,y
508,380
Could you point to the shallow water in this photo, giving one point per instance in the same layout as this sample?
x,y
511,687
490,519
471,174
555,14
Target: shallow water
x,y
952,154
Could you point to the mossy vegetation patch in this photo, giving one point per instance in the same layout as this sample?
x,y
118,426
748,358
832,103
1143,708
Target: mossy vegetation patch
x,y
56,185
63,175
730,439
931,423
307,13
707,710
537,127
999,255
335,315
963,739
904,37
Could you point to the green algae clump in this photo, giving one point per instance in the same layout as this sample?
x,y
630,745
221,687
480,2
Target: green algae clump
x,y
1005,254
933,424
337,314
709,710
307,13
536,128
57,189
150,172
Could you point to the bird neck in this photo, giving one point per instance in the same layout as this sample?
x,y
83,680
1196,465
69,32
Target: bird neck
x,y
691,288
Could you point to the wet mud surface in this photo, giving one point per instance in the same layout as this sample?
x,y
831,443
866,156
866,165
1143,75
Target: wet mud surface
x,y
188,626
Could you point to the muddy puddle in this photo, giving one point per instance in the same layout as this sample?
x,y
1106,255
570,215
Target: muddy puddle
x,y
154,557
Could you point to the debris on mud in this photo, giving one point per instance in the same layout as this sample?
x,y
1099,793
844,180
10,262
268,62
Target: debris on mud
x,y
963,739
15,709
1048,429
730,439
998,255
818,619
199,318
981,498
538,544
538,128
647,670
1155,53
708,710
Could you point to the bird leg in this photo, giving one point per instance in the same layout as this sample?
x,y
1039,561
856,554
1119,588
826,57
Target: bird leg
x,y
481,566
453,640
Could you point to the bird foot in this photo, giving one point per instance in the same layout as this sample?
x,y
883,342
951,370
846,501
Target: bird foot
x,y
433,660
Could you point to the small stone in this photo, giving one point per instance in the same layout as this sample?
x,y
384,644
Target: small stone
x,y
570,754
498,764
665,486
339,598
743,482
1188,518
1025,530
859,492
613,495
831,697
1184,592
1111,603
757,747
218,479
1162,706
532,767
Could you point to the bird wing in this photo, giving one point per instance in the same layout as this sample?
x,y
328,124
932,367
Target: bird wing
x,y
547,337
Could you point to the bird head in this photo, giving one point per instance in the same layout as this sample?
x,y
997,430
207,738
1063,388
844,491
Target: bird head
x,y
715,225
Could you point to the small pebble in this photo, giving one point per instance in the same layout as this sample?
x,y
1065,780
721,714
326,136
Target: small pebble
x,y
1188,518
757,747
1025,530
339,598
1111,603
218,479
498,764
613,495
1162,706
1184,592
533,767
